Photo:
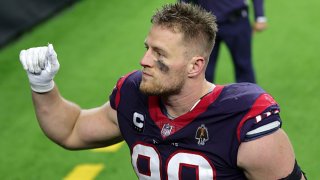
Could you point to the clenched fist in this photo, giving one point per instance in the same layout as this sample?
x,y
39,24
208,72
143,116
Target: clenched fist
x,y
41,64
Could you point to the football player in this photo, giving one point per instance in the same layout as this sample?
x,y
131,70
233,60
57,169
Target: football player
x,y
177,124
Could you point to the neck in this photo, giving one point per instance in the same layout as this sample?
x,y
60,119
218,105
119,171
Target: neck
x,y
187,99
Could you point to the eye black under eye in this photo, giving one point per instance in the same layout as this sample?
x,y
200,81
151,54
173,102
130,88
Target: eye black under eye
x,y
162,66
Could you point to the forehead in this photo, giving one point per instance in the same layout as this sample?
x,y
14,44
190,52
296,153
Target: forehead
x,y
164,38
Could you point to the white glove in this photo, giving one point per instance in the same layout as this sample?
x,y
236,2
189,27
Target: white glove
x,y
41,64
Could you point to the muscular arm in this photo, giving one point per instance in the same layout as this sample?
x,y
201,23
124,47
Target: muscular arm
x,y
269,157
73,128
63,121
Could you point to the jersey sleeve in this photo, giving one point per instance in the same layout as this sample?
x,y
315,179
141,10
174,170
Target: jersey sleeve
x,y
258,9
262,119
114,97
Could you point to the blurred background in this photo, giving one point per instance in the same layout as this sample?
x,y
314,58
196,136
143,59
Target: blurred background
x,y
99,41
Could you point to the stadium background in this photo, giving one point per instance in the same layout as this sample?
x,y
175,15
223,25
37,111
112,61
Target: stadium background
x,y
98,41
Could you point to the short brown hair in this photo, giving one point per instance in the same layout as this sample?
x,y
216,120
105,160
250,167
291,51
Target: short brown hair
x,y
193,21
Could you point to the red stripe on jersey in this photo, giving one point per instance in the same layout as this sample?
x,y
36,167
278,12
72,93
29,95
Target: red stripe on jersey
x,y
262,103
119,85
160,119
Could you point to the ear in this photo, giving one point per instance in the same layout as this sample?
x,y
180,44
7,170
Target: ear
x,y
196,66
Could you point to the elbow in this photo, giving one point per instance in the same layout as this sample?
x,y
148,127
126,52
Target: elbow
x,y
64,143
68,147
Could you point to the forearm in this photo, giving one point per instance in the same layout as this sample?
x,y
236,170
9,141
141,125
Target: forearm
x,y
57,117
63,121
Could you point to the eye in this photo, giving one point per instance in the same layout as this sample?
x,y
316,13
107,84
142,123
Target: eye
x,y
159,53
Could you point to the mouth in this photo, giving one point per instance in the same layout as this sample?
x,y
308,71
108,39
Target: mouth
x,y
146,74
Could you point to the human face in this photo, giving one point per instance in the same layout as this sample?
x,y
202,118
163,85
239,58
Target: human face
x,y
164,63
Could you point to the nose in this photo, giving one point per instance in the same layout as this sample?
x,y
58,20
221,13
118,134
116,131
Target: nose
x,y
147,59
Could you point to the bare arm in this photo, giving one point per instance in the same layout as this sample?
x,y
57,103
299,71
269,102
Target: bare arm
x,y
270,157
73,128
63,121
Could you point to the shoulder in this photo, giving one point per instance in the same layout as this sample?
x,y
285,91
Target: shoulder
x,y
127,86
242,90
260,112
255,109
242,96
132,78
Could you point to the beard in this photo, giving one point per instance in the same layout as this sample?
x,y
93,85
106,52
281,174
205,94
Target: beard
x,y
155,87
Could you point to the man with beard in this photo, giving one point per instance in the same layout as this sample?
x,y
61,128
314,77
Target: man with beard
x,y
177,124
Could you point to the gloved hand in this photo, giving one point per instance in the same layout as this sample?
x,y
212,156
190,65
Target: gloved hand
x,y
41,64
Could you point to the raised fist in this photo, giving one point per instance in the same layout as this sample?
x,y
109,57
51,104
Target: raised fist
x,y
41,64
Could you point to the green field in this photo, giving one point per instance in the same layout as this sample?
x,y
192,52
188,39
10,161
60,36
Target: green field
x,y
98,41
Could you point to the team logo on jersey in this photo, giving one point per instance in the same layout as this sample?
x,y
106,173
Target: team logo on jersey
x,y
166,130
202,135
138,122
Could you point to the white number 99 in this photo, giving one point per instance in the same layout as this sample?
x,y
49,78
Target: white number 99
x,y
204,169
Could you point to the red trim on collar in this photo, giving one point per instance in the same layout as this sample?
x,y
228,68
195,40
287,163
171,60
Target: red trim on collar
x,y
160,119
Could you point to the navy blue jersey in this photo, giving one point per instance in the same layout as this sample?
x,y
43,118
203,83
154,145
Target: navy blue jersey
x,y
201,144
223,8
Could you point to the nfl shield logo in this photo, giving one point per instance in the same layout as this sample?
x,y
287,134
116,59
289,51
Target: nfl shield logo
x,y
166,130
